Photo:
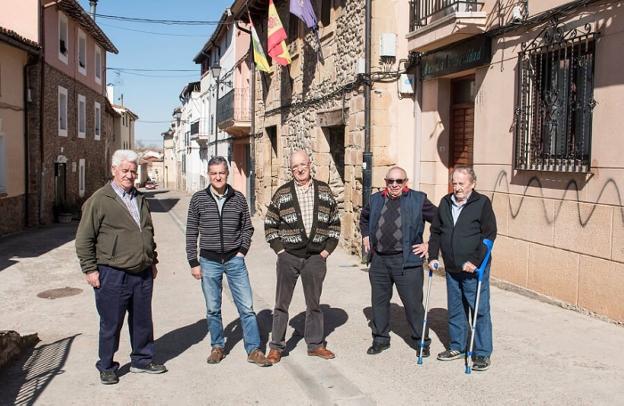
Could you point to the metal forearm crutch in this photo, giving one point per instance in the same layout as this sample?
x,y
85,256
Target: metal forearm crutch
x,y
475,312
424,326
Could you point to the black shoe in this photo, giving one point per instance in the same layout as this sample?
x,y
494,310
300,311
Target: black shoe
x,y
150,368
425,352
376,348
108,377
450,355
481,363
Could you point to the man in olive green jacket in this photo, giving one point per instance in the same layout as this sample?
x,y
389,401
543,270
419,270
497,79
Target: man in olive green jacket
x,y
116,248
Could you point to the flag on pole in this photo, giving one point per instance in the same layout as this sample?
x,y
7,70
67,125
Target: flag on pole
x,y
276,39
303,9
260,58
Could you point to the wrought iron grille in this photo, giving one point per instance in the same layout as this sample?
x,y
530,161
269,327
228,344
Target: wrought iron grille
x,y
555,100
422,11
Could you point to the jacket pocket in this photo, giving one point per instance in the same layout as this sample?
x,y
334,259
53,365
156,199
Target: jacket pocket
x,y
113,249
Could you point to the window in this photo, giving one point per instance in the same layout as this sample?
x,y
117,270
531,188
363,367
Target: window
x,y
554,111
81,177
293,28
97,65
63,35
97,125
82,116
2,161
62,111
82,52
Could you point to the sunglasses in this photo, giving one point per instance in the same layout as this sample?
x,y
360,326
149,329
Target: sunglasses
x,y
397,181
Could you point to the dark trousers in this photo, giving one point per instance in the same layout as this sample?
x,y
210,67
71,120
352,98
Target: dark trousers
x,y
122,292
312,271
385,271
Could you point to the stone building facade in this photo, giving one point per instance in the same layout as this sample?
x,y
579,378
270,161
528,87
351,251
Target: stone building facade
x,y
317,104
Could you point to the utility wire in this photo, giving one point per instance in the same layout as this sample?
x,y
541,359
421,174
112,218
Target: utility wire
x,y
165,34
159,21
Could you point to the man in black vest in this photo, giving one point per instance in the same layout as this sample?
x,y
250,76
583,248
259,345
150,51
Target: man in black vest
x,y
392,226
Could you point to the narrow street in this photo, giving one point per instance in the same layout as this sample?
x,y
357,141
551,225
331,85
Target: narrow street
x,y
543,354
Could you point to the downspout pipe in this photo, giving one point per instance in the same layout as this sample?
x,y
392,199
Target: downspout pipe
x,y
41,168
32,61
367,156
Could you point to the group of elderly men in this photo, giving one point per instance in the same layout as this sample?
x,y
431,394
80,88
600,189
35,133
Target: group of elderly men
x,y
116,248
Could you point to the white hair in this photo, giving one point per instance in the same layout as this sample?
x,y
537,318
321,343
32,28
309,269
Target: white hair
x,y
124,155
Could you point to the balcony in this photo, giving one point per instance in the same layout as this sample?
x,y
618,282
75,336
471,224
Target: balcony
x,y
234,112
436,23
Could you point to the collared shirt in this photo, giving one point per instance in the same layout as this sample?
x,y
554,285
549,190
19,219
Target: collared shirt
x,y
305,196
456,208
129,199
220,199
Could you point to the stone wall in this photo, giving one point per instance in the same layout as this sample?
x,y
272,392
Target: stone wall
x,y
293,99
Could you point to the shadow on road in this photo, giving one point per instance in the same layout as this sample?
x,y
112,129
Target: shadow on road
x,y
175,342
162,205
333,318
233,332
23,382
437,321
34,242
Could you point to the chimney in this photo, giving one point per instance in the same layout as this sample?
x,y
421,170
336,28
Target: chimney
x,y
93,4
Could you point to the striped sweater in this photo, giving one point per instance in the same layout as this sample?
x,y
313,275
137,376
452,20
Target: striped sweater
x,y
283,226
221,236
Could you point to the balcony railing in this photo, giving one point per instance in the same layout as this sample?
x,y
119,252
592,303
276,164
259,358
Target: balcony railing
x,y
234,106
423,12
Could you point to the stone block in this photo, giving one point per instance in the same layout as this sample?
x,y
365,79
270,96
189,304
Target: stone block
x,y
319,142
353,157
321,173
553,272
584,228
617,252
381,157
600,287
510,260
531,219
322,159
500,204
381,137
382,118
360,121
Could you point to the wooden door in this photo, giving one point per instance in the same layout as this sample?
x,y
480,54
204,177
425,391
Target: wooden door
x,y
462,124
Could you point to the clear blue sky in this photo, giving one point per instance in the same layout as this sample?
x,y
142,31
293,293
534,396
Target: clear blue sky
x,y
153,95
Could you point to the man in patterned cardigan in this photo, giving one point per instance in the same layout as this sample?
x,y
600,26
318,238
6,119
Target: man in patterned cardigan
x,y
302,226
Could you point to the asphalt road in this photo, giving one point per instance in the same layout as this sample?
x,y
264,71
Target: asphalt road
x,y
543,354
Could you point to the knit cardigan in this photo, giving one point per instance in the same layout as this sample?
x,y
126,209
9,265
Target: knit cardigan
x,y
283,224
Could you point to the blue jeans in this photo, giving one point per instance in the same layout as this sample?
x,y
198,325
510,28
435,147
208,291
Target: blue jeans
x,y
461,291
212,285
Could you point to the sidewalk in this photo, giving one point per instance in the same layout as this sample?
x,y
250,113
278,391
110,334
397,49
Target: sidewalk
x,y
543,354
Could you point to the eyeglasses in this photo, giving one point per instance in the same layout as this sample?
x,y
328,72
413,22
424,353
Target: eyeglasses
x,y
397,181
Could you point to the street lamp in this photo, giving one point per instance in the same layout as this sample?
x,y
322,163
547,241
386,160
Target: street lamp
x,y
215,70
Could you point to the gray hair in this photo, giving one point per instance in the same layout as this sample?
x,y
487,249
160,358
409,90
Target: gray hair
x,y
397,168
467,170
124,155
219,160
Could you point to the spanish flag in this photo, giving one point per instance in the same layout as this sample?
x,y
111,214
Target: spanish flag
x,y
260,58
276,39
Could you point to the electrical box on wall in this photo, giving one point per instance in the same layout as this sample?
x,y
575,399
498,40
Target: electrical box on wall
x,y
406,83
387,44
360,68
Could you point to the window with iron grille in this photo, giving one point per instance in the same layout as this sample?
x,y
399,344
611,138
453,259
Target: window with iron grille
x,y
555,101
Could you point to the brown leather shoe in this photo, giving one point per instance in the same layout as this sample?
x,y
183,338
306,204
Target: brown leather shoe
x,y
216,355
274,356
322,352
257,357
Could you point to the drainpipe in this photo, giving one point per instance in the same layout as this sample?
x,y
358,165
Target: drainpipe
x,y
40,187
418,130
367,156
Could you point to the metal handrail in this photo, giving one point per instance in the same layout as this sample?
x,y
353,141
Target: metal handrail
x,y
421,11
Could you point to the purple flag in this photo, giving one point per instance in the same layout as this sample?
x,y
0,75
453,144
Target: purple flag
x,y
303,9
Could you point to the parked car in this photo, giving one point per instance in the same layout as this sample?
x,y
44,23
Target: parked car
x,y
151,185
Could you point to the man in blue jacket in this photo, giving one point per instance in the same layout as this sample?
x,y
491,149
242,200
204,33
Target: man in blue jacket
x,y
392,226
465,218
